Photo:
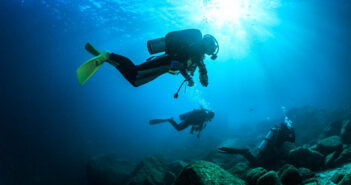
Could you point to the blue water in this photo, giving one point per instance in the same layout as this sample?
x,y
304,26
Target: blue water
x,y
273,53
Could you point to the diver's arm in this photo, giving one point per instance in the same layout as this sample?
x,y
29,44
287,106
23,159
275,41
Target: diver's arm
x,y
203,73
187,77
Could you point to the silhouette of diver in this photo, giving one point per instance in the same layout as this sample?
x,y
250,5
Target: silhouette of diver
x,y
184,51
196,118
269,151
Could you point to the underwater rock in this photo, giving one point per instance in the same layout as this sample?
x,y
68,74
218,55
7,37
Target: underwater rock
x,y
334,128
337,177
305,157
269,178
289,175
206,173
346,132
169,178
330,159
329,177
329,145
306,173
344,157
108,170
346,180
240,170
254,174
176,166
151,171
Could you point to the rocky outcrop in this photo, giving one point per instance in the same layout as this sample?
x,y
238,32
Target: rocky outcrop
x,y
307,158
289,175
329,145
344,157
306,173
206,173
346,180
338,176
108,170
151,171
240,170
269,178
254,174
176,166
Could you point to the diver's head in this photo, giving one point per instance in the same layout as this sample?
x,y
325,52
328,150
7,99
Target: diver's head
x,y
210,46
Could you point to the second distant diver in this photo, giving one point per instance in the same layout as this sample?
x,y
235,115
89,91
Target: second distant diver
x,y
184,51
268,152
196,119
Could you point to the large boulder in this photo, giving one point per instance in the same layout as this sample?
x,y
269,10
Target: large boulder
x,y
108,170
289,175
337,177
330,159
329,145
306,173
254,174
206,173
176,166
344,157
151,171
305,157
346,180
346,132
240,170
269,178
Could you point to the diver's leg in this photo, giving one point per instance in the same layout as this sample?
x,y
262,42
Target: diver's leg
x,y
179,127
152,69
243,152
249,157
125,66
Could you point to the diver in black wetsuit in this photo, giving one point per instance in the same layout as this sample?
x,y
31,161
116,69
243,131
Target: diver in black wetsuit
x,y
268,152
196,118
184,52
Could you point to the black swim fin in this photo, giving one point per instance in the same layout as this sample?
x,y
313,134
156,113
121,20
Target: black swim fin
x,y
157,121
90,48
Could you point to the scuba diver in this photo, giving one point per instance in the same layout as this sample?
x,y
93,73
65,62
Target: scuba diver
x,y
184,51
196,118
268,152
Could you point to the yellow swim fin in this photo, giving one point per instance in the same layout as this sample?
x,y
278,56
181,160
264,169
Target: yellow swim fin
x,y
85,71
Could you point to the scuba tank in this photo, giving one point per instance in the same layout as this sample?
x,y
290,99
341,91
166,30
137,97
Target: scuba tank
x,y
156,45
185,115
267,139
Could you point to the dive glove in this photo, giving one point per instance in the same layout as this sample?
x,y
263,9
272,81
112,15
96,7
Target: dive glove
x,y
190,82
204,80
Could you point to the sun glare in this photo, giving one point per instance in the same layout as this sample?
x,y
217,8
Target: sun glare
x,y
224,11
238,22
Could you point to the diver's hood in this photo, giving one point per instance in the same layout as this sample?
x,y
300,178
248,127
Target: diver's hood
x,y
211,46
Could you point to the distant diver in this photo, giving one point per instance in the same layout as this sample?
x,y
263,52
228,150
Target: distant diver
x,y
268,152
184,51
196,118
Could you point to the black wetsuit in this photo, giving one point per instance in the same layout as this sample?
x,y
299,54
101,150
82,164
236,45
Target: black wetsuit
x,y
195,118
180,47
271,152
